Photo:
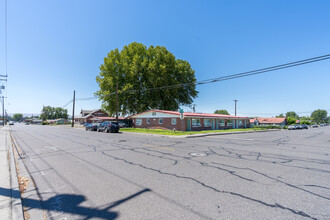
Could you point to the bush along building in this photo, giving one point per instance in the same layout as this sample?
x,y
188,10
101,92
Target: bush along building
x,y
161,119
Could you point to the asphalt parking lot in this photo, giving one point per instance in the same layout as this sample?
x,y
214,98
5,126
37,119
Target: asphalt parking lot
x,y
79,175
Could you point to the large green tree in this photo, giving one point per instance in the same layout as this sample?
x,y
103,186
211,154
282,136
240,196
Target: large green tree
x,y
17,117
292,114
221,112
319,116
148,78
49,112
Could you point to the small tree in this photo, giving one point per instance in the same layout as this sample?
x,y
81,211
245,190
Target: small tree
x,y
291,121
280,116
49,112
17,117
221,112
319,116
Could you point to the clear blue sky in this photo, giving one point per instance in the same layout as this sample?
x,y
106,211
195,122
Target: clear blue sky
x,y
57,46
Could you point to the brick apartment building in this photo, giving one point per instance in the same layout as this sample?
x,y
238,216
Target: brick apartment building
x,y
161,119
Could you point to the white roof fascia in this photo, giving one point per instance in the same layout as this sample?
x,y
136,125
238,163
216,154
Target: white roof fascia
x,y
158,115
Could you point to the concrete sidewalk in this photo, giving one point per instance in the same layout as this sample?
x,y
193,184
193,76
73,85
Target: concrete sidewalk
x,y
10,198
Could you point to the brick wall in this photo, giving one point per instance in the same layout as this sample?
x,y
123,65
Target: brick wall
x,y
167,124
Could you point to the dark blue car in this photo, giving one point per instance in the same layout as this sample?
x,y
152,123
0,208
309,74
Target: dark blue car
x,y
92,127
108,126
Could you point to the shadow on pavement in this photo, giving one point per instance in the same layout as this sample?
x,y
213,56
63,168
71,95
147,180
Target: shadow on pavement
x,y
69,203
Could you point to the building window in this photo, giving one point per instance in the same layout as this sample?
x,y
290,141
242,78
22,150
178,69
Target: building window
x,y
160,121
196,122
153,113
173,121
207,122
229,123
138,121
222,123
148,121
240,123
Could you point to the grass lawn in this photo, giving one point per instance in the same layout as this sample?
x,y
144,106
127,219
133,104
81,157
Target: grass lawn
x,y
170,132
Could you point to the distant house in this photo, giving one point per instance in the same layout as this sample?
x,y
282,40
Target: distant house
x,y
92,116
272,121
36,121
58,121
254,122
162,119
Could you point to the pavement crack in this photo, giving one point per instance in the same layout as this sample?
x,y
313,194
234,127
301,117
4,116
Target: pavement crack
x,y
276,205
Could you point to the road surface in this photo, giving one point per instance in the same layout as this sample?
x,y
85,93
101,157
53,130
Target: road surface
x,y
77,174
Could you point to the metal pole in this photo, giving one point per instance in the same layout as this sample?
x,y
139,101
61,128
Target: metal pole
x,y
117,102
74,102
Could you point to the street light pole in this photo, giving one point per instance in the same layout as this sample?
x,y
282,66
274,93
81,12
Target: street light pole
x,y
117,102
74,100
235,105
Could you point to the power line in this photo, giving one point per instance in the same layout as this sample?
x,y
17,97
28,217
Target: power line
x,y
239,75
67,103
79,99
223,78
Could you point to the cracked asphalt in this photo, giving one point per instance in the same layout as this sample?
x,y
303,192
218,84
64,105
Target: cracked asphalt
x,y
77,174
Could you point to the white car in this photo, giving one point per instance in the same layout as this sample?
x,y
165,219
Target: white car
x,y
11,123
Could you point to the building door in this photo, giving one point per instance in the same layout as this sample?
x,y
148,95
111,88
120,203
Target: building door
x,y
188,124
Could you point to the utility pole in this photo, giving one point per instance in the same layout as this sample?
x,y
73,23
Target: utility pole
x,y
3,111
235,105
117,102
194,107
74,102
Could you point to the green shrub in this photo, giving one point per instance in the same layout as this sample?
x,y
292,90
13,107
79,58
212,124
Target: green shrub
x,y
305,123
45,123
267,126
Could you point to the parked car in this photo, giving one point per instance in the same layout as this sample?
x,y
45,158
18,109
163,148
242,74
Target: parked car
x,y
292,127
86,124
122,124
322,125
92,127
315,126
11,123
304,126
108,126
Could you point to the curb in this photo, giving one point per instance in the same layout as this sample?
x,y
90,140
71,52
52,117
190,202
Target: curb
x,y
227,133
16,199
200,135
